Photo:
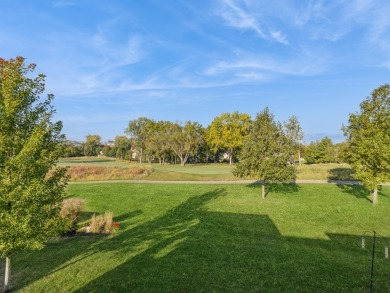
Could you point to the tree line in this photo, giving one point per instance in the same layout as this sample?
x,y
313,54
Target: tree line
x,y
173,142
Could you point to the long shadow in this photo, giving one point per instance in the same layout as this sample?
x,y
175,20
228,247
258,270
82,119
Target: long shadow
x,y
66,252
226,252
357,191
274,187
174,222
190,249
341,174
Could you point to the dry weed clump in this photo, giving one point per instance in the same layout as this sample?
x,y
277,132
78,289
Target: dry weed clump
x,y
80,173
101,223
70,212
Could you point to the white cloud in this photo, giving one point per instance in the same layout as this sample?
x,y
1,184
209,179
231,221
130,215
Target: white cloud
x,y
305,64
240,16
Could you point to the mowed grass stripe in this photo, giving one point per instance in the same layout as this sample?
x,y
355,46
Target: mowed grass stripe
x,y
222,238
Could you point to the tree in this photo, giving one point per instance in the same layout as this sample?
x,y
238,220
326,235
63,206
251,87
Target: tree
x,y
121,147
92,145
31,191
322,151
266,152
228,131
138,132
295,134
185,139
368,136
157,140
73,149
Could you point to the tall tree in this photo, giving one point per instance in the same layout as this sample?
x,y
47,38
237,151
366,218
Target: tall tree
x,y
92,145
228,131
157,140
295,133
138,131
368,135
266,152
30,145
121,147
185,139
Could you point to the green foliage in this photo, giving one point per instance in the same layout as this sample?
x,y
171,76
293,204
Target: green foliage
x,y
122,147
138,131
368,135
295,134
30,145
228,131
185,139
73,149
266,152
92,145
319,152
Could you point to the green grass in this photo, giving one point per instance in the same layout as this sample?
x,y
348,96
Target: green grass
x,y
207,172
217,238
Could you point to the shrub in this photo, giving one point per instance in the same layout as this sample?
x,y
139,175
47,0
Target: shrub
x,y
101,223
70,212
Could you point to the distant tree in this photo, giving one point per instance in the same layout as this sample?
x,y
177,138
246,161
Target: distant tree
x,y
92,145
121,147
185,139
107,151
138,131
73,149
368,136
228,131
31,191
295,133
157,141
266,152
322,151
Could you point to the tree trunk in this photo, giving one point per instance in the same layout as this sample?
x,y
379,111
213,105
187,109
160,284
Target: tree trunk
x,y
140,157
7,275
375,196
263,190
230,159
299,157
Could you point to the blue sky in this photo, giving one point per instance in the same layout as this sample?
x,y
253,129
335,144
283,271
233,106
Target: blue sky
x,y
108,62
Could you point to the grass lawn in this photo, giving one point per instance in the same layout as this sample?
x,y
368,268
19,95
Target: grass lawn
x,y
207,172
218,238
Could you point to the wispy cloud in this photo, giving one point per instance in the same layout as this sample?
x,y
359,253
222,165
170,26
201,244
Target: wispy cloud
x,y
238,15
306,64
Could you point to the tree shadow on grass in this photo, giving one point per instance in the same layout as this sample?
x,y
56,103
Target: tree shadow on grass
x,y
274,187
341,174
358,191
191,249
70,253
227,252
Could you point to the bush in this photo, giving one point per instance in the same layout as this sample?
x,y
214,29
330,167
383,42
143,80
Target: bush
x,y
70,212
101,223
